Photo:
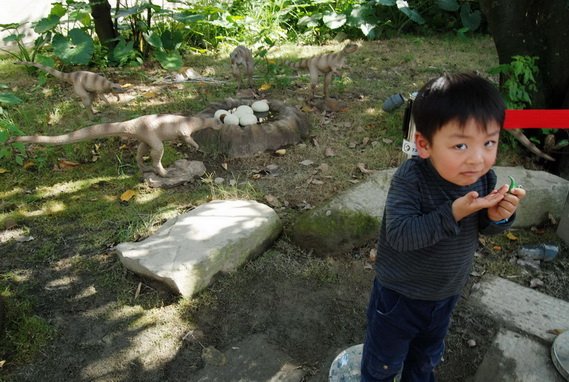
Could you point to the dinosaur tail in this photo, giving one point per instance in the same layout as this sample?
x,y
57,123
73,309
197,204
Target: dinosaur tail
x,y
56,73
91,132
302,64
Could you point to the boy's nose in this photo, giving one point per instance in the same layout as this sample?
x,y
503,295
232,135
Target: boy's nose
x,y
476,156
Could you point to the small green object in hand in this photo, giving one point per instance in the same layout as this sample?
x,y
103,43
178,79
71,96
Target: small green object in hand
x,y
513,184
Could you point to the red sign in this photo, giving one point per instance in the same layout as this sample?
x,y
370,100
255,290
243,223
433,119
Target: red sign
x,y
537,119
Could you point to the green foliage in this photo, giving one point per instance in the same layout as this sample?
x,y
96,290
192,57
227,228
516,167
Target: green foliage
x,y
517,81
75,49
8,129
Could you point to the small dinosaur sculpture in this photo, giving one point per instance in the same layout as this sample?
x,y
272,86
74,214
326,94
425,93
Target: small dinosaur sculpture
x,y
87,85
242,60
150,130
326,64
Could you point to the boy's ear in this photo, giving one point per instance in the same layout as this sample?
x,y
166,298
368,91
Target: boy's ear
x,y
423,146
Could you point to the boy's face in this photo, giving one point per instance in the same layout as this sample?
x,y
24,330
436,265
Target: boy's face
x,y
461,155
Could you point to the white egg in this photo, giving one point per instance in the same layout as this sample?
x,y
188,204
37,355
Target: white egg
x,y
244,109
247,119
219,113
260,106
231,119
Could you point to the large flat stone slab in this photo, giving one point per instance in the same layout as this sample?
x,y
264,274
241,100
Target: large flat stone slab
x,y
514,357
251,360
522,309
187,251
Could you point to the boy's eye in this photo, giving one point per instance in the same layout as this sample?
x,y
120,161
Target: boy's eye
x,y
461,146
490,144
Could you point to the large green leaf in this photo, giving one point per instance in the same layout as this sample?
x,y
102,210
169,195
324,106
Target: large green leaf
x,y
411,13
58,10
334,20
9,99
171,60
46,24
388,3
470,19
310,21
153,39
75,49
187,18
448,5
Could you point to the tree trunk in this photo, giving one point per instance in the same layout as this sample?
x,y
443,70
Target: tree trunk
x,y
104,27
534,28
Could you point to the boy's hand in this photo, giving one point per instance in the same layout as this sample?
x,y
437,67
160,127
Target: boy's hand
x,y
507,206
470,203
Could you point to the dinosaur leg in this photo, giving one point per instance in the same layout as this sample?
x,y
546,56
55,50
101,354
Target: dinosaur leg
x,y
250,75
156,152
143,149
327,81
86,97
190,141
313,82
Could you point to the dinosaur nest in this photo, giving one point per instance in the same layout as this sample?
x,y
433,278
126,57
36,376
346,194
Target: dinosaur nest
x,y
282,126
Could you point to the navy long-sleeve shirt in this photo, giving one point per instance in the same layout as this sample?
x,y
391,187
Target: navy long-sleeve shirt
x,y
422,252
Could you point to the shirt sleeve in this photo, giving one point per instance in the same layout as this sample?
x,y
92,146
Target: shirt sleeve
x,y
407,227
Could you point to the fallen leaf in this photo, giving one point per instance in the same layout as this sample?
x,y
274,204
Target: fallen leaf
x,y
329,152
280,152
471,343
535,283
264,87
317,182
28,164
365,141
127,195
150,94
372,254
137,293
23,239
3,170
363,169
324,167
64,164
556,331
307,162
511,236
2,363
497,248
307,108
224,166
273,200
387,141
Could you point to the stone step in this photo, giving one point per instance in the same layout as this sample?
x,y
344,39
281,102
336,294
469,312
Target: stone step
x,y
522,309
514,357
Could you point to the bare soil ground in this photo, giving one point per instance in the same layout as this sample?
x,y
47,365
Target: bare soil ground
x,y
108,324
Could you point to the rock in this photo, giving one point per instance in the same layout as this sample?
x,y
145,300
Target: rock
x,y
189,250
183,171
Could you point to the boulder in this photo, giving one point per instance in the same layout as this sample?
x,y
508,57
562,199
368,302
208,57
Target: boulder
x,y
189,250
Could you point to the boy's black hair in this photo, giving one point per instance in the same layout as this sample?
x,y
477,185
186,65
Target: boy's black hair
x,y
457,97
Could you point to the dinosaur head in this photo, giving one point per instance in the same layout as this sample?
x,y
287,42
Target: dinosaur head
x,y
116,88
350,47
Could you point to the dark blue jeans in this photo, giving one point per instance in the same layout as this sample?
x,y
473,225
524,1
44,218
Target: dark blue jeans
x,y
404,336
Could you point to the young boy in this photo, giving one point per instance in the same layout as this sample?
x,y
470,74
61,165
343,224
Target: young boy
x,y
437,205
